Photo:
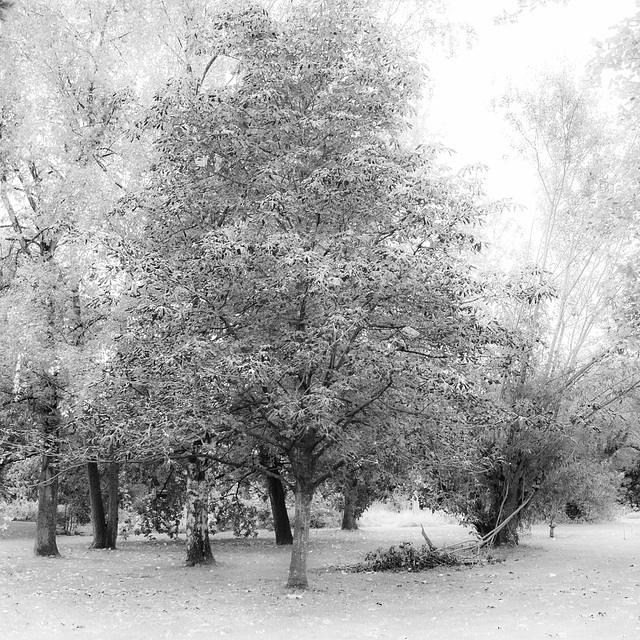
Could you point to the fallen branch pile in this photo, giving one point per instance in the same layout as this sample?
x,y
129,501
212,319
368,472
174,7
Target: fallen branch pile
x,y
405,557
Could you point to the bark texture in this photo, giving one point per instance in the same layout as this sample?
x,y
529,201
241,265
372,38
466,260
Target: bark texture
x,y
46,522
281,524
349,519
112,521
300,551
46,544
198,543
98,519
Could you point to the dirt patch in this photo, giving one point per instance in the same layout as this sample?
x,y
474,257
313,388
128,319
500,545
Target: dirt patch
x,y
583,584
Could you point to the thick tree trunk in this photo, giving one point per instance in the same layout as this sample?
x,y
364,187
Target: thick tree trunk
x,y
349,520
46,544
508,506
98,519
281,524
300,551
112,521
198,543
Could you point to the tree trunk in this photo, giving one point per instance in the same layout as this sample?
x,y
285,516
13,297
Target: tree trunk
x,y
509,534
349,520
281,524
98,519
112,522
198,543
300,551
45,544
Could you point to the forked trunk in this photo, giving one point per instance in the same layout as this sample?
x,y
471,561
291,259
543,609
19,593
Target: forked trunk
x,y
198,543
112,522
300,551
508,508
509,534
46,544
281,524
98,519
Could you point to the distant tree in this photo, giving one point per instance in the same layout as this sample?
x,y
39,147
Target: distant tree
x,y
56,187
559,304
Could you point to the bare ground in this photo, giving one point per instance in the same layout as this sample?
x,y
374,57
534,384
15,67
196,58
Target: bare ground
x,y
584,584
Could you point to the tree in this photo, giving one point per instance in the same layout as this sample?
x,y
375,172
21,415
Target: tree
x,y
560,301
302,268
56,185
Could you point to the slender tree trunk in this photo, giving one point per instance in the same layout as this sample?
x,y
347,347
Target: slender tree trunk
x,y
46,544
198,543
281,524
349,520
112,521
300,551
98,519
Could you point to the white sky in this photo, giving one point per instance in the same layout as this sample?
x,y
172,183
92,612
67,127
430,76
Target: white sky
x,y
465,85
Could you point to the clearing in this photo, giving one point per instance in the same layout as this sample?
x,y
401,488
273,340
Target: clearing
x,y
583,584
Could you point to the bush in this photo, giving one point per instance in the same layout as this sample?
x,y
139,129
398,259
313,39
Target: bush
x,y
406,557
233,514
324,513
263,515
158,514
580,491
152,498
21,509
128,523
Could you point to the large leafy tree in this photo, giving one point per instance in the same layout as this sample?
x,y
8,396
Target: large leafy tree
x,y
301,289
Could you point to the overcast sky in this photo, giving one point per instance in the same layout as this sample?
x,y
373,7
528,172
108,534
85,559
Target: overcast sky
x,y
465,85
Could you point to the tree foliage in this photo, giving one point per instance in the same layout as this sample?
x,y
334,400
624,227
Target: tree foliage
x,y
302,286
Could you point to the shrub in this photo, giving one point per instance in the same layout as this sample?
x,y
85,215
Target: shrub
x,y
158,514
324,513
233,514
21,509
262,507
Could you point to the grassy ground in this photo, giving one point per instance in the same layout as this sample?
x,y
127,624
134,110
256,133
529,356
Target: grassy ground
x,y
584,584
